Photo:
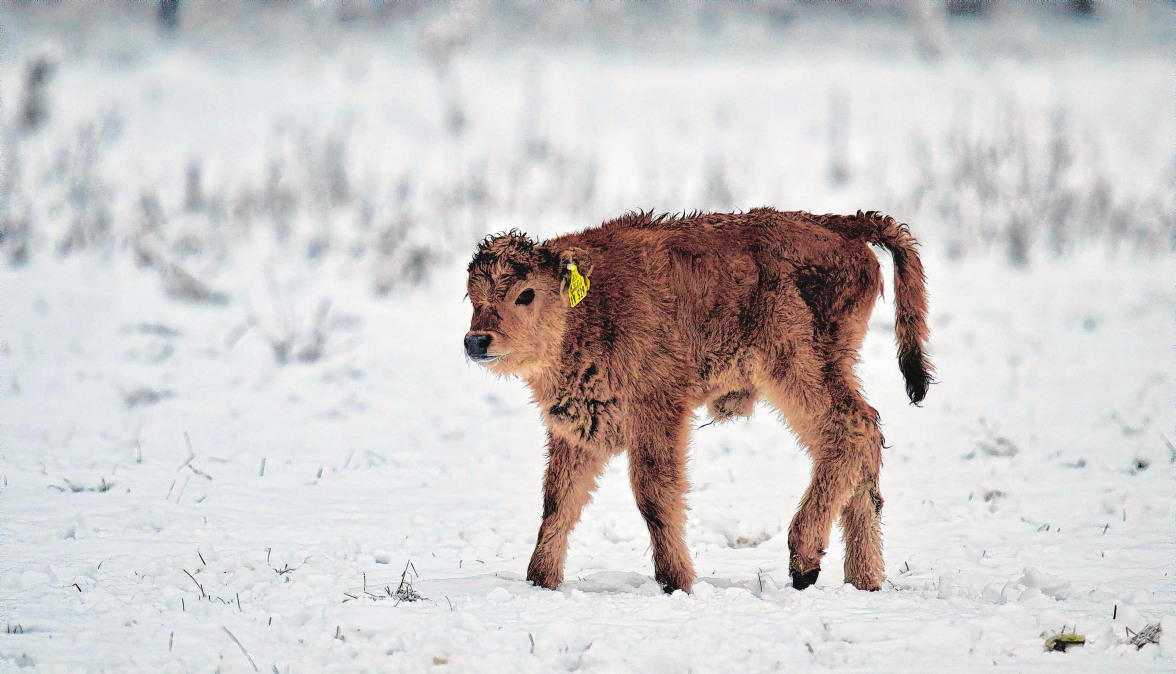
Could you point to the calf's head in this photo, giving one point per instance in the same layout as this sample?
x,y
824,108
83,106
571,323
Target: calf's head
x,y
519,290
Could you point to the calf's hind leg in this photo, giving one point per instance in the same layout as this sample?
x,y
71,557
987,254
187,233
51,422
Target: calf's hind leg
x,y
841,433
861,529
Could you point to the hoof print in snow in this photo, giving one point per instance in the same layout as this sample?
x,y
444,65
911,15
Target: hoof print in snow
x,y
145,396
1000,447
742,542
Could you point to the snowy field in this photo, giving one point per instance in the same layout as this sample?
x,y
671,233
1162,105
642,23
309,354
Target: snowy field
x,y
236,415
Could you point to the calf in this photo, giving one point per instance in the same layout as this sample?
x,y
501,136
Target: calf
x,y
623,330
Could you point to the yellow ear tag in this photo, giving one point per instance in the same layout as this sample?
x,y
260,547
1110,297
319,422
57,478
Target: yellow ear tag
x,y
577,286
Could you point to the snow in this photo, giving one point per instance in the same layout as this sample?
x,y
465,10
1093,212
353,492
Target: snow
x,y
174,498
424,458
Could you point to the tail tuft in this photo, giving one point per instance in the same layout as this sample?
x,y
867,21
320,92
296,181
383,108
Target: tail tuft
x,y
915,370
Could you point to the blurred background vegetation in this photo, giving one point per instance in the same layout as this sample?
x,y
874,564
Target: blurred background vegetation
x,y
385,138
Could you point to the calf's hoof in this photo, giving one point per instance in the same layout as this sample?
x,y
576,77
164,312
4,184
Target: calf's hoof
x,y
547,583
540,577
867,585
868,578
670,588
805,579
671,585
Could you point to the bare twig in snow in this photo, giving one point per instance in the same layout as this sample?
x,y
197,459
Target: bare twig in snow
x,y
183,487
1147,635
243,651
203,594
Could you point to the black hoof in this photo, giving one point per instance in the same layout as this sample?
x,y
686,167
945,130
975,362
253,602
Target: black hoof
x,y
803,580
670,587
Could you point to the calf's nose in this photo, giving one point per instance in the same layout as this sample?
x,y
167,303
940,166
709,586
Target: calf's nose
x,y
476,344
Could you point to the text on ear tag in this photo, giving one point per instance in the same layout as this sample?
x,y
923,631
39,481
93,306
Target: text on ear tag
x,y
577,286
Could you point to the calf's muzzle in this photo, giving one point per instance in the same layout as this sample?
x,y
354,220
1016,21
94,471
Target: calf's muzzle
x,y
476,344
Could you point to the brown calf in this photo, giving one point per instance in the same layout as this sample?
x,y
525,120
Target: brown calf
x,y
715,309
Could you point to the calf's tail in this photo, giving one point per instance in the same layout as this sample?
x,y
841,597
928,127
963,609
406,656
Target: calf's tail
x,y
910,298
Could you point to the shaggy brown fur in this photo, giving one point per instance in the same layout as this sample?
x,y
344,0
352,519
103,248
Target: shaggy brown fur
x,y
715,309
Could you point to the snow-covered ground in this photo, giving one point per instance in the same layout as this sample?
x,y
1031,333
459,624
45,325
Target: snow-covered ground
x,y
1032,493
176,497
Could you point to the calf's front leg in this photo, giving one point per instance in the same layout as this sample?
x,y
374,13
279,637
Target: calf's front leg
x,y
567,487
657,470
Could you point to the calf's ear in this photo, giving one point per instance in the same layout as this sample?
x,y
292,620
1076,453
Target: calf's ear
x,y
573,288
577,256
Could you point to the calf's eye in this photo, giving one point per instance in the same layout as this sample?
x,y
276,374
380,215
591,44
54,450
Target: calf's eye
x,y
525,297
